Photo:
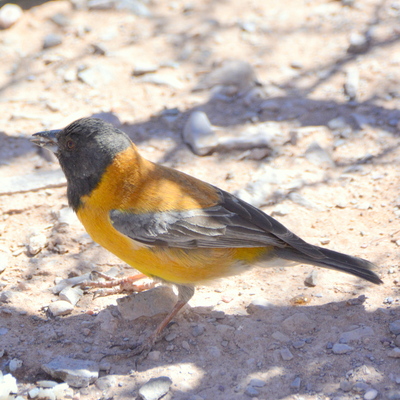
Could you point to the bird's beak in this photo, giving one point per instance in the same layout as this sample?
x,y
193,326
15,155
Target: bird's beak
x,y
47,139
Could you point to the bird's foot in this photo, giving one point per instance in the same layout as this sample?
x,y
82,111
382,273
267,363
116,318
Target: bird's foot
x,y
115,286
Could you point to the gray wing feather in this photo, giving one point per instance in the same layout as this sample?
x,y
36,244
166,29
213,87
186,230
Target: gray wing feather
x,y
232,223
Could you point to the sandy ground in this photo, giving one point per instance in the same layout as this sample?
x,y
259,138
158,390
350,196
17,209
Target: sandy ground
x,y
350,203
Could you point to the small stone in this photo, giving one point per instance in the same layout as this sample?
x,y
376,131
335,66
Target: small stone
x,y
96,76
141,69
60,307
37,242
251,391
352,83
185,345
77,373
341,348
198,330
15,364
199,134
6,296
296,383
371,394
71,294
318,156
324,241
106,382
394,327
171,336
338,123
46,384
60,20
214,352
395,353
286,354
159,300
358,43
311,279
259,304
360,387
346,386
257,383
67,216
9,15
298,344
51,40
155,388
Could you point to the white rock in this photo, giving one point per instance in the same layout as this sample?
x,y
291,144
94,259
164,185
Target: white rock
x,y
8,384
75,372
37,242
15,364
370,394
159,300
9,15
155,388
286,354
199,134
60,307
71,294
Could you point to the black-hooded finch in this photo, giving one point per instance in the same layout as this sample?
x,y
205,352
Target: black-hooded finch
x,y
169,225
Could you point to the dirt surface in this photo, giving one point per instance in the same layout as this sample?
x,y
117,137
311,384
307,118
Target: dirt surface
x,y
348,201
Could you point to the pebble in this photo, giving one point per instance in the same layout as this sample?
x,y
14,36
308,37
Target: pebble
x,y
257,383
60,307
67,216
155,388
186,345
9,15
199,134
298,344
360,387
299,323
358,43
159,300
15,364
337,124
259,304
77,373
214,352
198,330
286,354
142,69
71,294
352,83
162,80
8,384
318,156
3,261
106,382
6,296
371,394
346,386
251,391
395,353
296,383
171,336
341,348
356,334
76,280
394,327
311,279
51,40
36,243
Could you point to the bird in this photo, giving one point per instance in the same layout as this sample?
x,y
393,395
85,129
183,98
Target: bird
x,y
168,225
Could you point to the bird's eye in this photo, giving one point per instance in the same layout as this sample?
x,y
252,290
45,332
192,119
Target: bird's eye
x,y
70,144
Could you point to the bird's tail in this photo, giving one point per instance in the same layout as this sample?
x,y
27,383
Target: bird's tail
x,y
333,260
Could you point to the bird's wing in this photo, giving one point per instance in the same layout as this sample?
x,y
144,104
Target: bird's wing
x,y
231,223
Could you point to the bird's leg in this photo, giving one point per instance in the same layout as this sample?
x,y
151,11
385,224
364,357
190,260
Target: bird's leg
x,y
185,293
115,286
141,350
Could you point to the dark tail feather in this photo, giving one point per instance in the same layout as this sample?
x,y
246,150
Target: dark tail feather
x,y
333,260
